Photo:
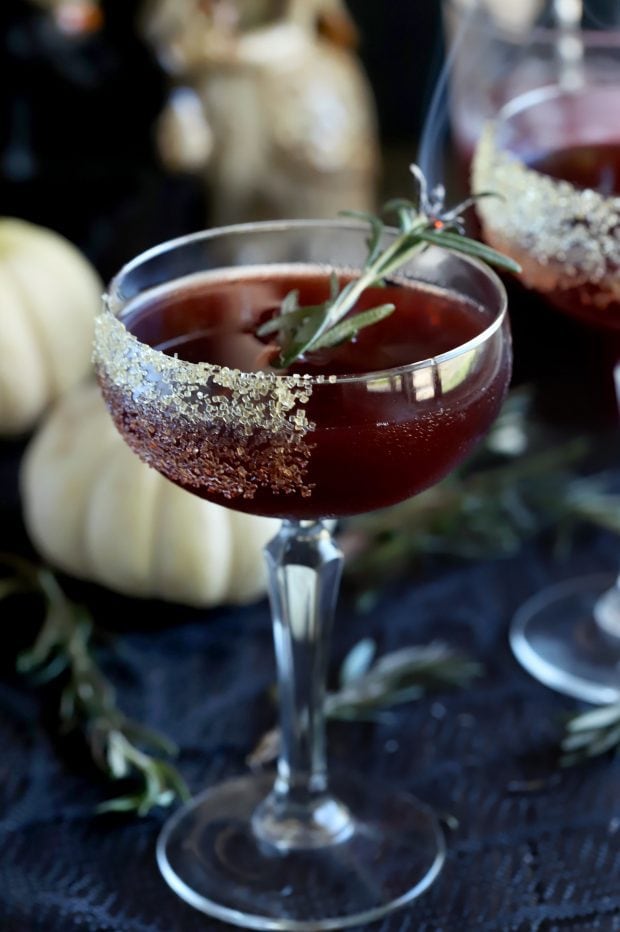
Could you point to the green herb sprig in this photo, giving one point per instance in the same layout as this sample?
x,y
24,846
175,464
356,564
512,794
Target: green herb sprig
x,y
301,330
591,734
370,685
120,747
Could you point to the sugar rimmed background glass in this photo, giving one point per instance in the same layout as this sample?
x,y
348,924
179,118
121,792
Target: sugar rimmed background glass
x,y
524,46
555,154
304,851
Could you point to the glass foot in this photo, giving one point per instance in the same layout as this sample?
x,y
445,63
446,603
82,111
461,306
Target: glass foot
x,y
210,856
554,635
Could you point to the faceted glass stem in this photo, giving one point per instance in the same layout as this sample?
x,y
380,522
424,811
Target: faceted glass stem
x,y
304,568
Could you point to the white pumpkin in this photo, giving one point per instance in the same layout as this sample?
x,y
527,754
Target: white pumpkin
x,y
94,510
49,295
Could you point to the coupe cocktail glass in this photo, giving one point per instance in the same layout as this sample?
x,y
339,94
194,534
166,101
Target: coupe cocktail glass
x,y
554,154
497,52
357,427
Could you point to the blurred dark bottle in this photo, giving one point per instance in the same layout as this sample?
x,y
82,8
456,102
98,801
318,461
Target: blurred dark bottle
x,y
81,94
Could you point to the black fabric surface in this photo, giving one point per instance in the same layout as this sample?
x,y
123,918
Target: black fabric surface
x,y
535,849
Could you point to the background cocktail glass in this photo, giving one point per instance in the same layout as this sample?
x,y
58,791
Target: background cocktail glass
x,y
497,51
305,851
554,154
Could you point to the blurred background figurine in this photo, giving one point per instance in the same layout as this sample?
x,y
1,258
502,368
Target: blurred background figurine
x,y
269,103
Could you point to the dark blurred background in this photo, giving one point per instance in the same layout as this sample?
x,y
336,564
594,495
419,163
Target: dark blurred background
x,y
82,94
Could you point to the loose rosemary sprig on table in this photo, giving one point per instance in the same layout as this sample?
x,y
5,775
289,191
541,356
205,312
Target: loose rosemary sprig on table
x,y
591,734
300,330
370,685
119,746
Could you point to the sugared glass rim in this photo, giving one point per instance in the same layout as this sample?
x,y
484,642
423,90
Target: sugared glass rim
x,y
111,296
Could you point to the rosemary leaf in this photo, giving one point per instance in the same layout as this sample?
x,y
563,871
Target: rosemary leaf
x,y
357,662
375,234
287,321
595,719
398,204
471,248
352,325
591,734
591,503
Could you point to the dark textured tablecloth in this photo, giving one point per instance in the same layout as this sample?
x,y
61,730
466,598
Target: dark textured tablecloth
x,y
535,850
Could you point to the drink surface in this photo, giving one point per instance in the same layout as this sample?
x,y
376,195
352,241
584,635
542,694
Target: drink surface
x,y
214,320
350,445
593,165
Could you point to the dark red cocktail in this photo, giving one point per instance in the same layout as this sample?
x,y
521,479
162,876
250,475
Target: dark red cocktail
x,y
366,442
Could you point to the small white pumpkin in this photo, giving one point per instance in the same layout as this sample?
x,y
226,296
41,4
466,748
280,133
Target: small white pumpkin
x,y
49,295
94,510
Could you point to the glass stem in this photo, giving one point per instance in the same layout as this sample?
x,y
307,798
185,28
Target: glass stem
x,y
304,568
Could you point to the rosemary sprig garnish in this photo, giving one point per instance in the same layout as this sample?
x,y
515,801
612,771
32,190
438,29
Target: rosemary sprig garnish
x,y
426,222
369,685
119,746
591,734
